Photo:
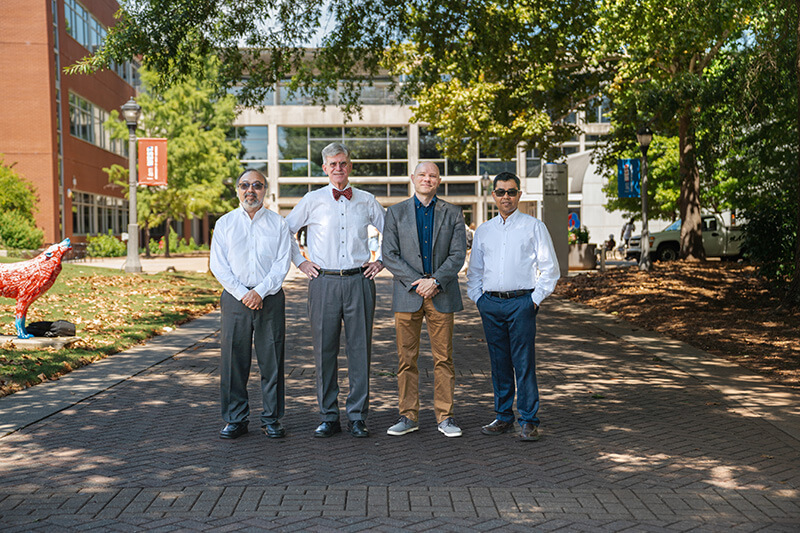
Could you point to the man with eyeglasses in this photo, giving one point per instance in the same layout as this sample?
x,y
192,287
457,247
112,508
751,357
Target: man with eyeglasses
x,y
250,257
341,287
512,268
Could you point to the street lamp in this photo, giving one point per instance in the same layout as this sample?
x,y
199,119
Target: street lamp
x,y
644,136
486,183
131,111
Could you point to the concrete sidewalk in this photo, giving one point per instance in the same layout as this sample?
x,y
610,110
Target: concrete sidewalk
x,y
640,433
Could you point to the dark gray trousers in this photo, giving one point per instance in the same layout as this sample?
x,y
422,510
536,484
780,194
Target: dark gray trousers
x,y
331,300
243,328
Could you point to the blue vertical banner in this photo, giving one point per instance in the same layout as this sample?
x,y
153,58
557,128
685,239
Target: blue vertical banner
x,y
628,178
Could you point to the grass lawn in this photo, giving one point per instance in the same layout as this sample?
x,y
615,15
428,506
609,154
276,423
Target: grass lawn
x,y
111,312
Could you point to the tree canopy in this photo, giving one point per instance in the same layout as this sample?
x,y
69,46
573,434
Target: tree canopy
x,y
200,155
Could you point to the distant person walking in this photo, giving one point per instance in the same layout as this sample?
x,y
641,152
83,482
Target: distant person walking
x,y
627,231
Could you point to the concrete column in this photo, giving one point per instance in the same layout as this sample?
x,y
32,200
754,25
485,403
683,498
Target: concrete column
x,y
555,212
273,195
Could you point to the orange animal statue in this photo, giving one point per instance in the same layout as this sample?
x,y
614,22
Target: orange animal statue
x,y
27,280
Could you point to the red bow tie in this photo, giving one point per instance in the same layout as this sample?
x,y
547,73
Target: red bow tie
x,y
347,193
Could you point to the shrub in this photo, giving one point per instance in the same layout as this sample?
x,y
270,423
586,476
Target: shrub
x,y
105,246
16,194
578,236
19,232
769,237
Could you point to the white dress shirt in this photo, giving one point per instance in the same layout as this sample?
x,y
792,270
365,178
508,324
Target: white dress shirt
x,y
512,254
338,237
251,253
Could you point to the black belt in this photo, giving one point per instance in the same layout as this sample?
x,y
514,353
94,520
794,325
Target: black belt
x,y
507,295
345,272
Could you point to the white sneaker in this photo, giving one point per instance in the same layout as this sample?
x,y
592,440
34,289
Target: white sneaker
x,y
403,426
449,428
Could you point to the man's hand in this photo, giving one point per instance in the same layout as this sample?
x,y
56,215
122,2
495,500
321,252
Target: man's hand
x,y
252,300
426,287
310,269
372,269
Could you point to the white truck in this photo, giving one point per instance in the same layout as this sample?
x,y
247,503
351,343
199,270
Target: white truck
x,y
719,240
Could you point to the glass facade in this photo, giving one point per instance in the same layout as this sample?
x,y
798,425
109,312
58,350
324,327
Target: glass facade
x,y
91,34
87,122
94,214
375,152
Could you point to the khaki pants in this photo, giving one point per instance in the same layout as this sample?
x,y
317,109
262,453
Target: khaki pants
x,y
440,331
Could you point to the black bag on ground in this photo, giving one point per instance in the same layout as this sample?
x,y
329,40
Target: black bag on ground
x,y
59,328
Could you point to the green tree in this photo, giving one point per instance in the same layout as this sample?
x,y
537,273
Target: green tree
x,y
666,50
17,206
761,138
200,155
663,181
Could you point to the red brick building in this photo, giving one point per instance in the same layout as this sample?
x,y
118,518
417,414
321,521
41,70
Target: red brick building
x,y
51,124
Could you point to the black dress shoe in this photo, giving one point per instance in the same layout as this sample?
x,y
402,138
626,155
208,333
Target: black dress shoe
x,y
498,427
233,430
358,428
274,430
529,432
328,429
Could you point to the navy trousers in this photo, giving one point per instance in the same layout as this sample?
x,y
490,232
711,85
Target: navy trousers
x,y
510,329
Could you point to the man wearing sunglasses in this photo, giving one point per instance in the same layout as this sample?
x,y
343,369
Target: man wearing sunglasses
x,y
341,287
512,268
250,254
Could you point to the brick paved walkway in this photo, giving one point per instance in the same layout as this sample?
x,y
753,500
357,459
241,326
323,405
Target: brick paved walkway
x,y
630,442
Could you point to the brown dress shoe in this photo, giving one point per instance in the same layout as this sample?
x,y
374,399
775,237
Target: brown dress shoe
x,y
498,427
529,432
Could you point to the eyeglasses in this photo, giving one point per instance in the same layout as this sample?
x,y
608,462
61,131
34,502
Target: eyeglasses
x,y
502,192
256,185
340,164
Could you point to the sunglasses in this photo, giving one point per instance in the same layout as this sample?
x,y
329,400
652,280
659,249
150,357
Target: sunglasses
x,y
257,186
502,192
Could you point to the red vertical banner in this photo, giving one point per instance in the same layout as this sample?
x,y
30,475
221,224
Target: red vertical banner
x,y
152,162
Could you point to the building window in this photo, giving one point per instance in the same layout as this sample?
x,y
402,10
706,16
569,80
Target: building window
x,y
91,34
87,122
254,141
448,167
597,111
375,152
94,214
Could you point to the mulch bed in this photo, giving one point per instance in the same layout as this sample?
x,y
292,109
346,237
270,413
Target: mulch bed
x,y
723,308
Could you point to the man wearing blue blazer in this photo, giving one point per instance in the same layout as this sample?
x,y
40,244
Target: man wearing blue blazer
x,y
424,247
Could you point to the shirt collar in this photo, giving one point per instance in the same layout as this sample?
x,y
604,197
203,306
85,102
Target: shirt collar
x,y
511,218
419,204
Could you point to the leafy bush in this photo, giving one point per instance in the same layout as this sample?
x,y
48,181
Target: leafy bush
x,y
19,232
769,237
105,246
15,193
578,235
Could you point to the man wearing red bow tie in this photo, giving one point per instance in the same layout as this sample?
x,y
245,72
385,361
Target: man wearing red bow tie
x,y
341,286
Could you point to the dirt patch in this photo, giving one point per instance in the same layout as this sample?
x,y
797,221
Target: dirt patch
x,y
722,308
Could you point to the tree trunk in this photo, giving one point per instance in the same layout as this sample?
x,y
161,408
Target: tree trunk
x,y
147,241
166,236
793,295
689,200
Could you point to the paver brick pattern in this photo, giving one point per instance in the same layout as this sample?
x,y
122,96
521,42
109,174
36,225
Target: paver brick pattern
x,y
629,443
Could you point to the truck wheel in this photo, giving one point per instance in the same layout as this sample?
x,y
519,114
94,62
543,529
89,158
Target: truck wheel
x,y
667,252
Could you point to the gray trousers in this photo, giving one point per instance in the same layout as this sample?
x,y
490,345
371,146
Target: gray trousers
x,y
241,329
331,300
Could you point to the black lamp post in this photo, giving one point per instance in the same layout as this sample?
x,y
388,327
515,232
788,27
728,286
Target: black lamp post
x,y
486,184
644,136
131,111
